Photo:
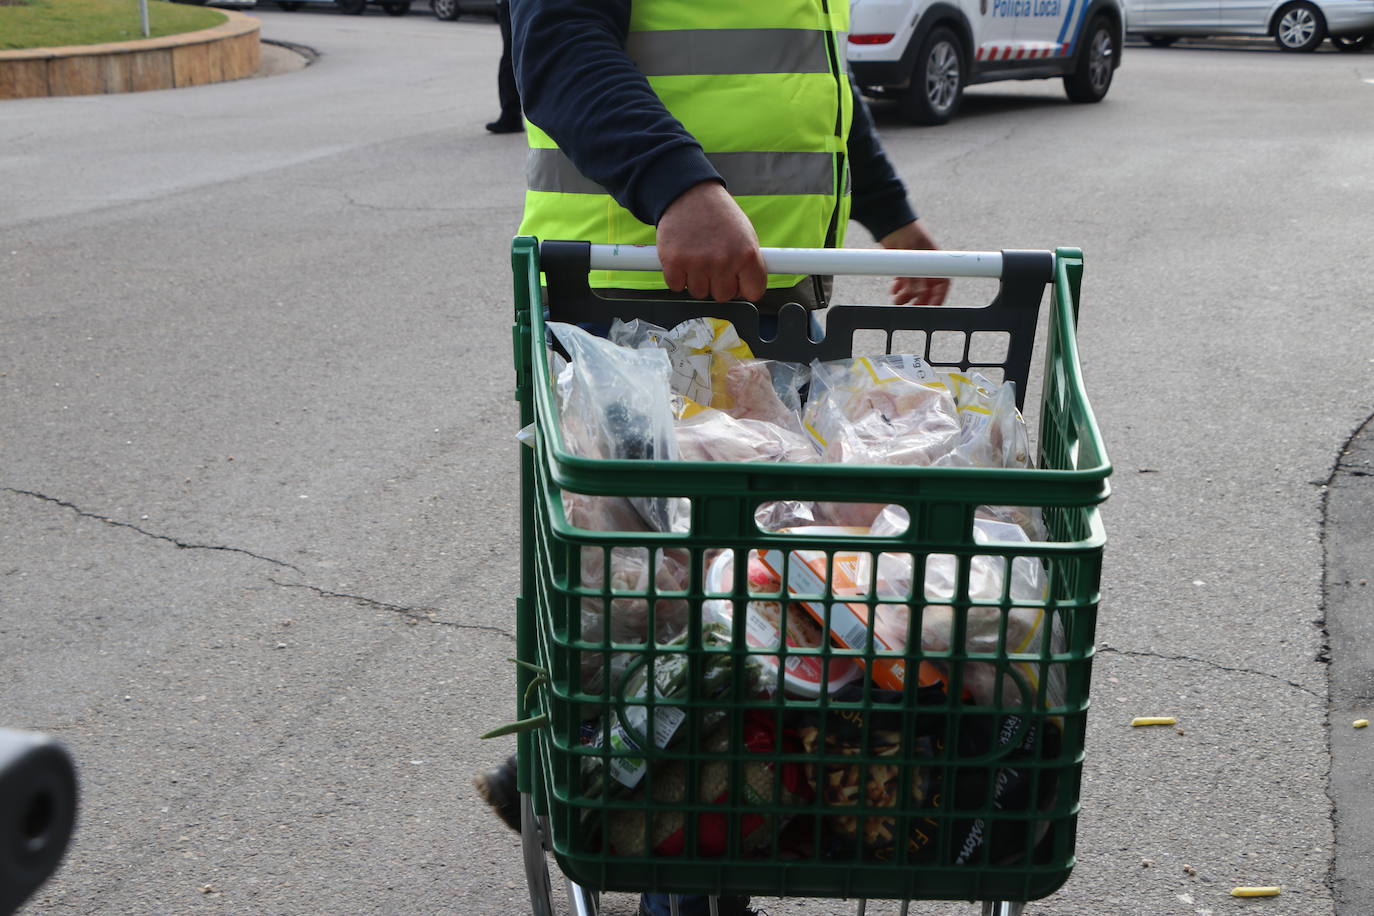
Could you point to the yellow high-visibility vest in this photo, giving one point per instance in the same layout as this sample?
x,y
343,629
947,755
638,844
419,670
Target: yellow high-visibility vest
x,y
764,89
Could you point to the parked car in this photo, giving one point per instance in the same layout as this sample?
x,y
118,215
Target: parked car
x,y
1297,25
449,10
924,52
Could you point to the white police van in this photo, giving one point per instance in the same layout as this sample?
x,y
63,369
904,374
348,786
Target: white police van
x,y
924,52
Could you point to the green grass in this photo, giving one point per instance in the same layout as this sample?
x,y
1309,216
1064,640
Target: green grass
x,y
54,23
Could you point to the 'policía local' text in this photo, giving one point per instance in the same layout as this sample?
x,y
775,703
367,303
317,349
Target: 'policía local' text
x,y
1025,8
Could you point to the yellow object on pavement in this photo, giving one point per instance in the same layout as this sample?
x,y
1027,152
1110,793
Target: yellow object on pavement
x,y
1255,891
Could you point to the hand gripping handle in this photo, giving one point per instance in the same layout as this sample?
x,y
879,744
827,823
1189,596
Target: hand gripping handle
x,y
866,261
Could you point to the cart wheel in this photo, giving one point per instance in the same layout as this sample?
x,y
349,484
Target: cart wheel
x,y
533,830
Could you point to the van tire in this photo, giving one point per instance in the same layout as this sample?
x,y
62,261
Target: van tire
x,y
1092,76
1352,43
937,82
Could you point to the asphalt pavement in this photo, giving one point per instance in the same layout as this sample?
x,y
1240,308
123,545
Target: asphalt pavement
x,y
257,469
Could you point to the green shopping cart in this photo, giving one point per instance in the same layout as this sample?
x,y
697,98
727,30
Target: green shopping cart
x,y
929,791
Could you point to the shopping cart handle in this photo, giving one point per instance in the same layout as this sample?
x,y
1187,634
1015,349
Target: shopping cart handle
x,y
869,261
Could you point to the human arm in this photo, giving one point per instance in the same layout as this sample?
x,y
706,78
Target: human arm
x,y
879,202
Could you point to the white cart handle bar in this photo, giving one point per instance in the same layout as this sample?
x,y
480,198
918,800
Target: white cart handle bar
x,y
867,261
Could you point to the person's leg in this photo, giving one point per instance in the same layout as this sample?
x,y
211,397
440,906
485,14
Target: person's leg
x,y
498,789
507,91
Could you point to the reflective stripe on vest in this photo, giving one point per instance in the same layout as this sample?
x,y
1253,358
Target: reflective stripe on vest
x,y
698,52
745,174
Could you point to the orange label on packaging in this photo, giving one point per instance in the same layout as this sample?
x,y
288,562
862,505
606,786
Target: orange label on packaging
x,y
849,621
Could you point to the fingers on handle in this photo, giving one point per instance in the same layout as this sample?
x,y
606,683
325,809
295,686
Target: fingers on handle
x,y
919,291
699,282
753,279
673,275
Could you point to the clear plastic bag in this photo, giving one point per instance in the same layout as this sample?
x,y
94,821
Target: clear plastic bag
x,y
714,435
880,410
628,615
616,404
782,514
701,352
762,389
992,433
987,577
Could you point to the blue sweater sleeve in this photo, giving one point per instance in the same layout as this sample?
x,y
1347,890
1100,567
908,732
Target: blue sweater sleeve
x,y
878,198
580,87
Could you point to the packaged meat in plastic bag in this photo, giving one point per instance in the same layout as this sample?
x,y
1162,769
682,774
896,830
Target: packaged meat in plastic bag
x,y
601,513
891,409
880,410
704,434
770,390
802,675
617,405
992,433
628,614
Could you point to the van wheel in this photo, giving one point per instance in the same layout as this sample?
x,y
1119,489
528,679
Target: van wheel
x,y
446,10
1300,27
937,85
1092,77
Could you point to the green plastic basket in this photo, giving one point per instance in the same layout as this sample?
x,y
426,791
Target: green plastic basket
x,y
914,794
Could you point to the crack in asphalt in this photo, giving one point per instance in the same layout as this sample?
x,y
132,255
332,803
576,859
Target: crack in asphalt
x,y
1137,653
179,544
354,202
418,614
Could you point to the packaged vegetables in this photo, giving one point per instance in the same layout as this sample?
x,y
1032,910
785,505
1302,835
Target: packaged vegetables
x,y
695,393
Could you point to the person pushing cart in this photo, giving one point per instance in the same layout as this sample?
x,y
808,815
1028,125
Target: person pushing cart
x,y
708,130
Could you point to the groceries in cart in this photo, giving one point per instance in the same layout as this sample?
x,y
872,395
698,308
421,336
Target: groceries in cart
x,y
829,625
